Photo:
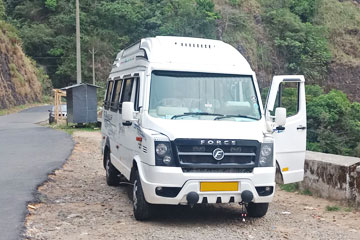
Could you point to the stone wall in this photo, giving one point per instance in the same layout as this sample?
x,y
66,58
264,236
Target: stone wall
x,y
333,176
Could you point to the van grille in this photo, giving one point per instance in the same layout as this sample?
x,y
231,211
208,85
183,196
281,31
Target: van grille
x,y
194,155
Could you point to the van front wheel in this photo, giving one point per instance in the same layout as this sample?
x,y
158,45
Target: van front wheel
x,y
142,209
257,210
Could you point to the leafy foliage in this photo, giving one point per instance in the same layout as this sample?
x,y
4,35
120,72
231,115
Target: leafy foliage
x,y
50,4
299,41
48,29
2,10
333,122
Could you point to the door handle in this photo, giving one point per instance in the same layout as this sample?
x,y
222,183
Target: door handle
x,y
301,128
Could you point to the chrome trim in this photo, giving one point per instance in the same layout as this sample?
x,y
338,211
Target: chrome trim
x,y
210,154
195,153
240,154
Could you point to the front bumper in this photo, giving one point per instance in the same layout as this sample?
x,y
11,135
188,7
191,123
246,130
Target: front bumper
x,y
155,176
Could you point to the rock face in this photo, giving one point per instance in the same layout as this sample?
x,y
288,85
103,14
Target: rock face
x,y
19,83
345,78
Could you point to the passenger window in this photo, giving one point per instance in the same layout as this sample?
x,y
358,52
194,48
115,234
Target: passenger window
x,y
126,93
135,94
288,97
108,94
116,95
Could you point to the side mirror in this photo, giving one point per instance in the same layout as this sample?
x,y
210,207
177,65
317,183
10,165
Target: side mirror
x,y
127,113
280,118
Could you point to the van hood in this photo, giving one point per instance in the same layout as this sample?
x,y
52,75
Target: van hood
x,y
207,129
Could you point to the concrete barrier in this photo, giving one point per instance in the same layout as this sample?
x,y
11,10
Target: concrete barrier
x,y
333,176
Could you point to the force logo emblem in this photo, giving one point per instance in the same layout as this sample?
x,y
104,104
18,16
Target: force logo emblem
x,y
218,154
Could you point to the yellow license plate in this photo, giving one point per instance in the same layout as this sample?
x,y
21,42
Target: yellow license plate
x,y
219,186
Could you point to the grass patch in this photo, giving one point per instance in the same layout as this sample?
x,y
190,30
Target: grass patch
x,y
348,209
306,192
334,208
291,187
71,128
294,187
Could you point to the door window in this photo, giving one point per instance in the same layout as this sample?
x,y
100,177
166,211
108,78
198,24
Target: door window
x,y
135,94
116,95
108,94
288,97
126,93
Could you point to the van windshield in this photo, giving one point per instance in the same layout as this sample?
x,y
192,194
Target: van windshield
x,y
203,96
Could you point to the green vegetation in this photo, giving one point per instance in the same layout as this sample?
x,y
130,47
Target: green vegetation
x,y
71,128
342,21
333,124
303,44
291,187
2,10
306,192
334,208
348,209
48,30
333,121
277,37
294,187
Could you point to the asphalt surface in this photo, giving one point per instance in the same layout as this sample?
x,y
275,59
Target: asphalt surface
x,y
28,153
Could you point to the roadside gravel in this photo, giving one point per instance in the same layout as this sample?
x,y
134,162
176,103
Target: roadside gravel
x,y
76,203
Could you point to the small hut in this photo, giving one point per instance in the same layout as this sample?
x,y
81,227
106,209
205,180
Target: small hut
x,y
81,103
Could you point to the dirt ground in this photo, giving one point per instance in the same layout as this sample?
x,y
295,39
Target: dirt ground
x,y
76,203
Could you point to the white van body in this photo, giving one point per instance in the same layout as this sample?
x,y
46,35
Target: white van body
x,y
186,93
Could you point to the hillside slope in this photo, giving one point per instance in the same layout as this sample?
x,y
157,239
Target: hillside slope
x,y
244,24
317,38
19,83
342,19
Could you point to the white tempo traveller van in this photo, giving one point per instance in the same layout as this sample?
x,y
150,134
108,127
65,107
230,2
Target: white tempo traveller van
x,y
184,123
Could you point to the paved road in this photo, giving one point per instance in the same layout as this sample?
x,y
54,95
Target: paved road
x,y
28,152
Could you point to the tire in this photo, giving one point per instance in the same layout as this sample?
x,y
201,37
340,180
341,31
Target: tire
x,y
142,209
257,210
112,174
51,120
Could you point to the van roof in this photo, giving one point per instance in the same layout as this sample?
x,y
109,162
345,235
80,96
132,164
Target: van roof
x,y
183,50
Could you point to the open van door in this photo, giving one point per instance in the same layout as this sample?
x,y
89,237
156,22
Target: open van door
x,y
290,140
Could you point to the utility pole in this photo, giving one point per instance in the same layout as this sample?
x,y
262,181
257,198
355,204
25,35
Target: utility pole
x,y
78,50
93,63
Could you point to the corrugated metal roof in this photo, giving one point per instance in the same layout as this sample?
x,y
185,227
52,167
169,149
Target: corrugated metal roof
x,y
78,85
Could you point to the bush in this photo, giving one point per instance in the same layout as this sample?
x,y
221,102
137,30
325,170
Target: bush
x,y
2,10
303,45
333,124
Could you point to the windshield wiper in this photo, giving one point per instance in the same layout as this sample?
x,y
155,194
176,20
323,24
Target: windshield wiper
x,y
233,116
197,113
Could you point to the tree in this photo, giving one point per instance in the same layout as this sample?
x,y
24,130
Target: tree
x,y
2,10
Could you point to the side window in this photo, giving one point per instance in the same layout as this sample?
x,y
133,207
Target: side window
x,y
108,94
288,97
126,93
135,94
116,95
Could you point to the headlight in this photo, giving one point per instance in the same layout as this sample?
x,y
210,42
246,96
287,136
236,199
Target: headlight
x,y
161,149
167,160
266,154
163,154
266,150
